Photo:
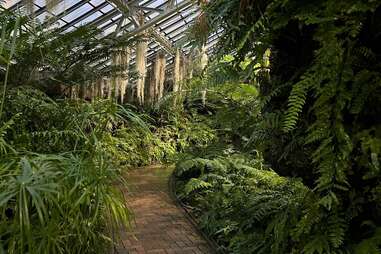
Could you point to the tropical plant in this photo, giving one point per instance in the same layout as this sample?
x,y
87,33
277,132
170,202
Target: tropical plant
x,y
319,107
59,159
65,200
245,206
59,204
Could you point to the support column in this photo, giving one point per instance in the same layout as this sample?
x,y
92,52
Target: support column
x,y
176,72
74,92
157,77
160,75
94,93
151,83
190,69
125,63
90,89
108,84
177,76
190,64
105,88
100,88
114,88
204,58
82,91
120,61
182,73
141,55
204,63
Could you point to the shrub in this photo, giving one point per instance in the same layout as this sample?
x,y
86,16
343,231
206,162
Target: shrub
x,y
245,206
58,188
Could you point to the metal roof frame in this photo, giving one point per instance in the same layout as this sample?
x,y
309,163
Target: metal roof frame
x,y
165,20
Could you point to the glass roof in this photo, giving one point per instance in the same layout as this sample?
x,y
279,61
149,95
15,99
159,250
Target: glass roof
x,y
168,18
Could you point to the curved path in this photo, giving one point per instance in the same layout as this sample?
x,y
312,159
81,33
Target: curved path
x,y
160,226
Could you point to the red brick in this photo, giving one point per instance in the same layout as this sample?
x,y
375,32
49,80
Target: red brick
x,y
160,226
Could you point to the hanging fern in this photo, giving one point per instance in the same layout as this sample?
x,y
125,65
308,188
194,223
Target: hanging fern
x,y
296,101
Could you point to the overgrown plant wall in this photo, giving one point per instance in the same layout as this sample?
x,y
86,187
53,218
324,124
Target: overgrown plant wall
x,y
320,115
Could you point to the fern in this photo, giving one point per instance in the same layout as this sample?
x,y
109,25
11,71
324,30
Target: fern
x,y
318,244
247,206
324,81
195,184
296,101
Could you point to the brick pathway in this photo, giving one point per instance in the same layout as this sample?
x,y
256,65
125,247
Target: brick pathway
x,y
160,226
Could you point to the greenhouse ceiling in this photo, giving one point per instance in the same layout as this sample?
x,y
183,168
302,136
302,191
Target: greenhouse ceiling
x,y
165,21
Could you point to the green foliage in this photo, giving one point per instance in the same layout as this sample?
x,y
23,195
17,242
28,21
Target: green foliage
x,y
58,180
320,116
246,207
58,168
195,184
137,147
165,135
58,158
57,184
370,245
58,204
296,102
57,188
218,99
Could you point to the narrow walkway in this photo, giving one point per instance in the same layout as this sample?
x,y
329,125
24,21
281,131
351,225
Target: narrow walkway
x,y
160,226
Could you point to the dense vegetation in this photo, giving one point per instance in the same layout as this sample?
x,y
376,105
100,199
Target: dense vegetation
x,y
61,165
61,160
56,180
319,121
276,143
245,206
